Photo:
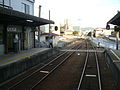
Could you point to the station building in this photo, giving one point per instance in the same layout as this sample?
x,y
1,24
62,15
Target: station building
x,y
17,21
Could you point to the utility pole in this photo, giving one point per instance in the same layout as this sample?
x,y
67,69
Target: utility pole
x,y
117,37
49,24
39,26
39,10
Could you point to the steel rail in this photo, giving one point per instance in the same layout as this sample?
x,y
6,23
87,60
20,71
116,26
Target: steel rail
x,y
36,71
84,68
32,88
83,72
51,71
16,84
98,69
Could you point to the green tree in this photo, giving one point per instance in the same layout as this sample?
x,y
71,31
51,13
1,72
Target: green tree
x,y
75,32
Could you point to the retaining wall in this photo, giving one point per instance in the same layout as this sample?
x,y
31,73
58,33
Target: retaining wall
x,y
114,66
10,70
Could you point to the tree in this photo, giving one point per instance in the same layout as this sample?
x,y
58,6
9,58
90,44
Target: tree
x,y
75,32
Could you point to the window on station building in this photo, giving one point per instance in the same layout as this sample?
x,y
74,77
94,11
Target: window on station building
x,y
25,8
5,3
1,1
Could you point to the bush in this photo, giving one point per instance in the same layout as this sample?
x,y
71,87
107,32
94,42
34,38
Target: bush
x,y
75,32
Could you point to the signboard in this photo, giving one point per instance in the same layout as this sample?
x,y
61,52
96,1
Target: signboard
x,y
13,28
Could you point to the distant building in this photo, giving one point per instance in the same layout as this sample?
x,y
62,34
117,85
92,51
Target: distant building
x,y
102,32
45,36
17,21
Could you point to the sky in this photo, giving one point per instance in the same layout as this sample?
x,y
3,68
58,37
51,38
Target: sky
x,y
85,13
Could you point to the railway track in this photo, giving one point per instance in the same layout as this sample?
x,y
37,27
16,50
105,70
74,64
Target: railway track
x,y
90,78
72,69
64,78
40,74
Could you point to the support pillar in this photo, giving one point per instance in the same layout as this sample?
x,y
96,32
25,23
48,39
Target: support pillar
x,y
23,38
34,38
5,39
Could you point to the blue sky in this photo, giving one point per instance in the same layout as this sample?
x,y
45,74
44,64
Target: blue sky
x,y
86,13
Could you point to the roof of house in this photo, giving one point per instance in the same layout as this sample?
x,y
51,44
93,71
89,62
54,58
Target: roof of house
x,y
9,16
115,20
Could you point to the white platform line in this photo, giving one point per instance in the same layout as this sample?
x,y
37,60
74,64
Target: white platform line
x,y
115,54
84,50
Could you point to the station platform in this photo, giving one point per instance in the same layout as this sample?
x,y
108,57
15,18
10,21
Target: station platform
x,y
14,57
114,55
15,63
113,61
113,38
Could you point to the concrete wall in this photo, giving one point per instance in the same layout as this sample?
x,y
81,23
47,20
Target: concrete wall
x,y
115,67
10,70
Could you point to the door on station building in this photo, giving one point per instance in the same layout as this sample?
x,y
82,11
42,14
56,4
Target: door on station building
x,y
10,37
10,41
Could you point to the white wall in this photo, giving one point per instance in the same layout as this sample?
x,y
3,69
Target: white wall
x,y
43,38
55,40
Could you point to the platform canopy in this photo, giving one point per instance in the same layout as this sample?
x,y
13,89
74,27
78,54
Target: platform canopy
x,y
115,20
9,16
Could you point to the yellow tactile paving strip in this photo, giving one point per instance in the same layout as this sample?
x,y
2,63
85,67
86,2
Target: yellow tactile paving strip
x,y
16,58
115,56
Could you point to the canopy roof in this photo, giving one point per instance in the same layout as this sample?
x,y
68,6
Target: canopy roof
x,y
9,16
115,20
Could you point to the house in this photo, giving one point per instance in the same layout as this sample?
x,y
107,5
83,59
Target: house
x,y
45,36
102,32
17,22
